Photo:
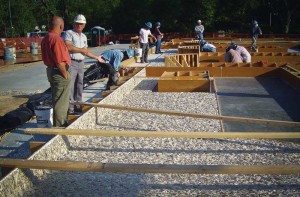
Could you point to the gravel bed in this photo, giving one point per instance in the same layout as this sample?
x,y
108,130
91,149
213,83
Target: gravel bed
x,y
160,151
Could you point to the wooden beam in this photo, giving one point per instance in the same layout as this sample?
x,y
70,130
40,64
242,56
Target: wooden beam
x,y
72,118
96,100
174,113
165,134
150,168
34,146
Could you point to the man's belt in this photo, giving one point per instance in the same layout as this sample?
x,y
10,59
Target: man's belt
x,y
55,68
77,60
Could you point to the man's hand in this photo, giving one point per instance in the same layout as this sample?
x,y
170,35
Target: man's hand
x,y
100,59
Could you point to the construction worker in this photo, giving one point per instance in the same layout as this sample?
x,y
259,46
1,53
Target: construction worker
x,y
77,45
245,55
112,64
199,29
207,47
233,56
254,34
158,36
56,57
143,40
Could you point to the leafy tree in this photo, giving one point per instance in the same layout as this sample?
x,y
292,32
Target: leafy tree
x,y
129,16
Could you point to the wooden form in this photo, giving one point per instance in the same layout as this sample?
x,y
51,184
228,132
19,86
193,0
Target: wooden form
x,y
196,49
193,115
184,81
128,62
182,60
166,134
292,76
150,168
259,56
221,69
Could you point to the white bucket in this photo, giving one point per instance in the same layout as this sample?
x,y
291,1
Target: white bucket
x,y
34,48
138,52
43,116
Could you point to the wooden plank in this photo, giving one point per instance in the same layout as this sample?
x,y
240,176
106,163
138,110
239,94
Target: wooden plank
x,y
214,117
150,168
34,146
113,87
165,134
217,70
72,118
183,84
96,100
106,93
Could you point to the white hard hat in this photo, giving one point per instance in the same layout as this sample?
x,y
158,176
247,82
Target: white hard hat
x,y
199,21
79,19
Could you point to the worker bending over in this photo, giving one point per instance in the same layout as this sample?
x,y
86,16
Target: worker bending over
x,y
207,47
112,65
245,55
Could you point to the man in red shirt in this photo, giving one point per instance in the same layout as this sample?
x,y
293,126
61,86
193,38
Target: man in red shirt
x,y
57,59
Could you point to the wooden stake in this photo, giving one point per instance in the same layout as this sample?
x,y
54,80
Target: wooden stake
x,y
165,134
174,113
150,168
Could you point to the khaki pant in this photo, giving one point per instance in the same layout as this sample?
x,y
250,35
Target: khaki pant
x,y
60,90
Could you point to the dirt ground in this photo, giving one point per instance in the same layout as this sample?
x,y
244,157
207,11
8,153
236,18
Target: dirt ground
x,y
11,102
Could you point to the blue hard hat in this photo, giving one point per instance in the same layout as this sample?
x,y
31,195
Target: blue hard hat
x,y
158,24
233,45
129,52
148,24
255,22
202,42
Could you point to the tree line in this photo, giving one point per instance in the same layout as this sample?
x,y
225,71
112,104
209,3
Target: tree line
x,y
18,17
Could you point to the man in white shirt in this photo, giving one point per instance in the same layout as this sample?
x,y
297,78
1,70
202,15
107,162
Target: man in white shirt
x,y
76,43
144,43
199,29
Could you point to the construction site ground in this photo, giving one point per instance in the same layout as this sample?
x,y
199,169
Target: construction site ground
x,y
250,97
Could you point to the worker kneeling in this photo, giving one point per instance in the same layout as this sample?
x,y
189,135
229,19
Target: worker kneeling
x,y
112,65
242,51
207,47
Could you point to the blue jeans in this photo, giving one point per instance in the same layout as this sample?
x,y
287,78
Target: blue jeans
x,y
158,45
199,36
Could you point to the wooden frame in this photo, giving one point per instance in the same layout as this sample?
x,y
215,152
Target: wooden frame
x,y
184,81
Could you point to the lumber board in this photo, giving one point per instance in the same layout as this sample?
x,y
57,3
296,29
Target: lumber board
x,y
150,168
165,134
193,115
34,146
